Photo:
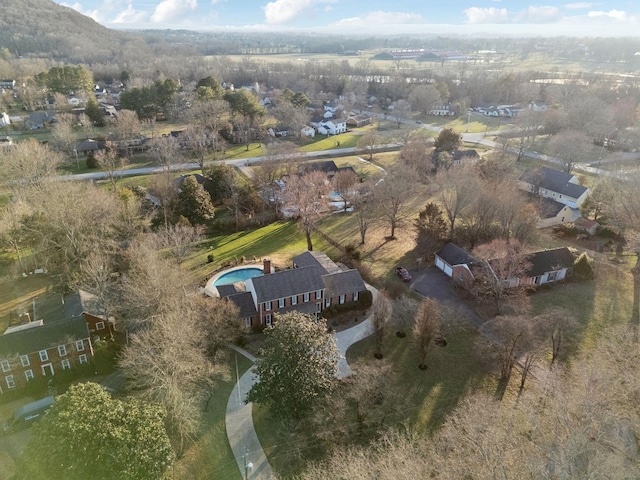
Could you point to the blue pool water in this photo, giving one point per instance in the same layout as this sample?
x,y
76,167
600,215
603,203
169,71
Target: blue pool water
x,y
238,276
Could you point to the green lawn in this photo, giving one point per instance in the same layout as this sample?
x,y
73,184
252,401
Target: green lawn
x,y
210,456
322,142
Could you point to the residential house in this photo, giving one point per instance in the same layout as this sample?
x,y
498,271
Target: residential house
x,y
280,132
333,107
4,120
547,266
553,213
447,110
88,146
75,101
538,107
332,127
465,157
456,263
329,167
313,284
359,120
560,186
308,131
89,307
7,84
38,349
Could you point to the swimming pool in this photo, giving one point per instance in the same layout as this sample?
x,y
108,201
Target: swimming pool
x,y
239,275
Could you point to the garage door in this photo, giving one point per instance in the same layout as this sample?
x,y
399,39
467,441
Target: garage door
x,y
448,270
439,263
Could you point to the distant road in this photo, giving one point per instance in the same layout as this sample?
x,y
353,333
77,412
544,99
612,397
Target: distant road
x,y
242,163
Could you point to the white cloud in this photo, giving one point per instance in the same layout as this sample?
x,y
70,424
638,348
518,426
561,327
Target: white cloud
x,y
541,14
579,5
619,15
284,11
476,15
130,15
170,10
384,18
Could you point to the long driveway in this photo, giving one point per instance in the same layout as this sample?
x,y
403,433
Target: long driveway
x,y
243,440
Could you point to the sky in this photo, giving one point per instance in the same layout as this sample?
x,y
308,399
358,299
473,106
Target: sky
x,y
463,17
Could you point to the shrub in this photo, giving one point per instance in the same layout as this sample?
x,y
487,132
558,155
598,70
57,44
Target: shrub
x,y
210,258
365,299
583,268
91,161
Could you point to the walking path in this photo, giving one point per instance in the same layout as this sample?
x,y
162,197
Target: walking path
x,y
250,457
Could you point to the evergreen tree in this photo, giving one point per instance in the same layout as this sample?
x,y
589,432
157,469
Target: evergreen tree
x,y
193,202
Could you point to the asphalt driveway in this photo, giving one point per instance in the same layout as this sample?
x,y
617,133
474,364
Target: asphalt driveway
x,y
432,282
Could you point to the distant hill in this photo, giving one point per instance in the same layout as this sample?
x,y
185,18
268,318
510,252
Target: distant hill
x,y
37,28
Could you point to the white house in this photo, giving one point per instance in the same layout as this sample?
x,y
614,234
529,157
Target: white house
x,y
447,110
332,127
308,131
4,120
553,213
562,187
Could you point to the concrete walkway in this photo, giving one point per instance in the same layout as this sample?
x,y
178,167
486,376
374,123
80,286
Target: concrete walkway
x,y
250,457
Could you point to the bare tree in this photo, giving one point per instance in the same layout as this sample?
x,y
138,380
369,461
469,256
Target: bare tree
x,y
364,203
404,312
307,194
570,146
111,163
28,164
558,325
382,310
63,132
343,184
199,142
165,151
164,192
368,142
457,192
426,328
393,194
424,97
179,240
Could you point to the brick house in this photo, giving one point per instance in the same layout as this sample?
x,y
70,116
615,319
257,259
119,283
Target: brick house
x,y
88,306
39,349
313,284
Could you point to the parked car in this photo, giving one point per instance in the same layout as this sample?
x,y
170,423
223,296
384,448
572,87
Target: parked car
x,y
403,273
26,415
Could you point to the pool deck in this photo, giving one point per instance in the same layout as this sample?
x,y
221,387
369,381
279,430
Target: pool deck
x,y
211,291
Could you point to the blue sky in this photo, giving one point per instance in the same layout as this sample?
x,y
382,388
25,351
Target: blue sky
x,y
498,17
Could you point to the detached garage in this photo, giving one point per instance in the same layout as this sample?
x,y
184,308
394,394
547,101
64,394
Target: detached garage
x,y
454,262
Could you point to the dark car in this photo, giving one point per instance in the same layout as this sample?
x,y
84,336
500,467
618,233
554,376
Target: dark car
x,y
403,273
26,415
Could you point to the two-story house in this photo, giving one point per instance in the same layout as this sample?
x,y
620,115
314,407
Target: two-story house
x,y
39,349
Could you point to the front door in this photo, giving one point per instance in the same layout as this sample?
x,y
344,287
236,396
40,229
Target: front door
x,y
47,369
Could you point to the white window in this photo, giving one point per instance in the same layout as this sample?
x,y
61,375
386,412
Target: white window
x,y
294,300
44,356
11,383
281,303
355,297
247,322
100,326
342,299
318,294
82,358
327,302
24,360
267,306
267,319
305,297
62,350
66,364
6,366
28,375
79,345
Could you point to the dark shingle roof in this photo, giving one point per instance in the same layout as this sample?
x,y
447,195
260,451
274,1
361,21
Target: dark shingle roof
x,y
341,283
554,180
81,302
327,166
317,259
286,283
227,290
462,154
548,261
549,208
244,302
40,338
454,255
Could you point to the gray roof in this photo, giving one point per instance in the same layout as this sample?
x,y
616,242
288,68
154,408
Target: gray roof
x,y
546,261
227,290
40,338
316,259
454,255
81,302
549,208
341,283
554,180
287,283
244,302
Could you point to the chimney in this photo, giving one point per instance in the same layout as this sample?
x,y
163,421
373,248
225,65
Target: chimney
x,y
266,266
